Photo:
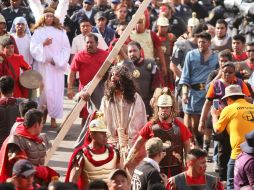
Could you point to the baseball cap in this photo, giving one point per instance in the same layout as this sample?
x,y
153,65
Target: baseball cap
x,y
99,15
248,145
155,145
117,172
115,1
88,1
23,168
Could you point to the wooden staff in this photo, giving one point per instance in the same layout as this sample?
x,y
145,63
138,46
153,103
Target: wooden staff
x,y
99,75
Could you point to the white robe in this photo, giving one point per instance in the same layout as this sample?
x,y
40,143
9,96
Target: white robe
x,y
120,114
52,94
23,45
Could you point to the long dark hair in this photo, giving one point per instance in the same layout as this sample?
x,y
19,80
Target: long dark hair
x,y
125,84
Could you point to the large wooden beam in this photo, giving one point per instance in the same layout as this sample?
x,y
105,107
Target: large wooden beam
x,y
99,75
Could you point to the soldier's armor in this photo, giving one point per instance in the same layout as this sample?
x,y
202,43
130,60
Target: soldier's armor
x,y
144,81
100,172
170,162
180,183
146,42
36,152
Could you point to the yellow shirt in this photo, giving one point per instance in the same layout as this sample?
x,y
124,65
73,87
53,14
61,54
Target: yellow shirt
x,y
238,119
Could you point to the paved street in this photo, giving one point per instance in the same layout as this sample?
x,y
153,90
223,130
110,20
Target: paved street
x,y
61,157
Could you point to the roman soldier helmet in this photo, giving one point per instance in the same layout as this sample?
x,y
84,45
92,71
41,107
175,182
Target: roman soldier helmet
x,y
162,21
97,124
193,21
165,100
146,19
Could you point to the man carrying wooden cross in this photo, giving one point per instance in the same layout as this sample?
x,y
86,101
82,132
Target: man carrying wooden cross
x,y
123,108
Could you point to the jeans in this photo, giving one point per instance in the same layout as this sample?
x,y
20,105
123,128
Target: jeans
x,y
230,174
215,151
224,151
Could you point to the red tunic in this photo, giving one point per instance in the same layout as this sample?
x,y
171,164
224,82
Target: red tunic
x,y
147,132
87,65
240,57
11,66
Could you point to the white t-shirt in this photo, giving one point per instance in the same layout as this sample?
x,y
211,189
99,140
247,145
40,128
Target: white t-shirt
x,y
78,43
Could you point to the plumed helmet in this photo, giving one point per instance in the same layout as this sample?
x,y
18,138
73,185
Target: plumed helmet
x,y
165,100
97,124
2,19
193,21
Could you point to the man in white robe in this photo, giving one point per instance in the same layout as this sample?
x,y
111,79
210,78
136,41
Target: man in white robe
x,y
123,108
50,49
21,33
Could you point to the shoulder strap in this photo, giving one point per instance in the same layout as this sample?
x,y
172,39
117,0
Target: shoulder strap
x,y
239,82
211,181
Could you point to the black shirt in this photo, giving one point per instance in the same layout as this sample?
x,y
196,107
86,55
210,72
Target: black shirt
x,y
10,14
144,176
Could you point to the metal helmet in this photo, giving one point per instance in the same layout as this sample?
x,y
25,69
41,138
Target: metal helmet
x,y
2,19
97,124
165,100
193,21
162,21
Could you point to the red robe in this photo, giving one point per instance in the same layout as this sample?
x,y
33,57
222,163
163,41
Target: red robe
x,y
6,164
11,66
42,172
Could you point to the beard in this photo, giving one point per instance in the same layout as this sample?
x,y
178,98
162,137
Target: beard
x,y
135,60
164,116
252,59
113,86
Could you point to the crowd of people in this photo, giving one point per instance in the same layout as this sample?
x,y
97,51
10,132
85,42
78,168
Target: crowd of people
x,y
182,82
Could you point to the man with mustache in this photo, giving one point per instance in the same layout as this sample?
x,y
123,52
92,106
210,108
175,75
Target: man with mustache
x,y
123,109
87,63
144,72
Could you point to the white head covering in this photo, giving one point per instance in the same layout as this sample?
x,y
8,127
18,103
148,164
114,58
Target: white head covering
x,y
20,20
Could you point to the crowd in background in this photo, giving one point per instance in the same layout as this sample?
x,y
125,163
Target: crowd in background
x,y
182,81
